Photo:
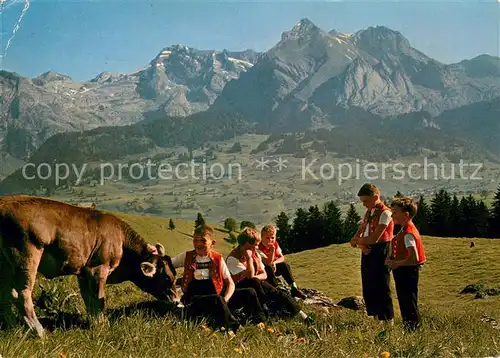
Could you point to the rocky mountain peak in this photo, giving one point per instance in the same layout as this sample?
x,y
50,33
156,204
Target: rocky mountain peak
x,y
380,40
302,29
53,76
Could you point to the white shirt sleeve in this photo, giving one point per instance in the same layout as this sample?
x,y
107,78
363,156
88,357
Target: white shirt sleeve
x,y
385,217
410,242
234,265
178,261
225,271
279,253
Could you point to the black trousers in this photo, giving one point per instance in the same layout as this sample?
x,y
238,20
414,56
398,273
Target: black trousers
x,y
277,301
247,300
214,308
406,281
376,279
282,269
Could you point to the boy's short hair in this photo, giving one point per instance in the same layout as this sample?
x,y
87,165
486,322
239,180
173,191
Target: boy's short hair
x,y
406,204
203,229
248,235
268,228
368,190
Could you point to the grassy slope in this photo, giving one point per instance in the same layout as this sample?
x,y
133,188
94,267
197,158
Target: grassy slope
x,y
452,325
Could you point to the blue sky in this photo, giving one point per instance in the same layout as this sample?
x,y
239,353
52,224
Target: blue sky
x,y
82,38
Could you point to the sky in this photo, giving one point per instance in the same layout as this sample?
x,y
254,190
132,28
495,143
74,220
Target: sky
x,y
82,38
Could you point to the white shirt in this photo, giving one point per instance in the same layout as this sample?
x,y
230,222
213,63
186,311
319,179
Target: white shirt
x,y
200,274
235,266
385,219
410,242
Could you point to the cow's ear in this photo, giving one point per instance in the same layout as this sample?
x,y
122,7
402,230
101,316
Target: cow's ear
x,y
148,269
161,250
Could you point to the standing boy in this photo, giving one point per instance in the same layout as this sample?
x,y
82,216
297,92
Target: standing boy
x,y
374,236
274,260
208,289
407,256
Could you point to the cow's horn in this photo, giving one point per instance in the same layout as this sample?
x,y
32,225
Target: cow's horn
x,y
148,269
161,249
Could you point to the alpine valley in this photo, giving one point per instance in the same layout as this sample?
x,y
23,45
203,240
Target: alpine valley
x,y
331,96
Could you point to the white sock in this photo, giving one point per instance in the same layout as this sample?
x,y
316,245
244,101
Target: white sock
x,y
302,314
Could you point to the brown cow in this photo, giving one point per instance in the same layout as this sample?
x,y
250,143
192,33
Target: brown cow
x,y
58,239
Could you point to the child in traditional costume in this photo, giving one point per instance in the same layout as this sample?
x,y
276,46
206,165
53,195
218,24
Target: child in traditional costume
x,y
208,289
373,237
406,259
247,270
274,260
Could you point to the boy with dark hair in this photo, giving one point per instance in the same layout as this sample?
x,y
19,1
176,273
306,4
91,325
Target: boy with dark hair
x,y
247,270
407,256
274,260
373,237
208,289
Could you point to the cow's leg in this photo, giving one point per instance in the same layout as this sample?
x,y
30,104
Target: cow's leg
x,y
7,294
93,290
8,317
24,288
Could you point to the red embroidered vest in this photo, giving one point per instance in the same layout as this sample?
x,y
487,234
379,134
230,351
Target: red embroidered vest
x,y
267,250
257,262
215,270
399,250
373,220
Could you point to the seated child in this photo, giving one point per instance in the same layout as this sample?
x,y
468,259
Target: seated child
x,y
208,289
406,258
247,270
274,260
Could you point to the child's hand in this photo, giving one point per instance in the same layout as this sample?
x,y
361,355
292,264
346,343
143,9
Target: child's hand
x,y
354,241
365,249
248,254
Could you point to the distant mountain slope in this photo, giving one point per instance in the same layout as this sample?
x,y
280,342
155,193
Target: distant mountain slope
x,y
310,71
479,122
118,142
179,81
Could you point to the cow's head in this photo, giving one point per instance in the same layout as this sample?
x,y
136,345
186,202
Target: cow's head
x,y
158,274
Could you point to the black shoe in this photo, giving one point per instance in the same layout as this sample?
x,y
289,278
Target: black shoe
x,y
297,293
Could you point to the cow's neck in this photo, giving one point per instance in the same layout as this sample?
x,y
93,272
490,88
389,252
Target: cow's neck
x,y
134,244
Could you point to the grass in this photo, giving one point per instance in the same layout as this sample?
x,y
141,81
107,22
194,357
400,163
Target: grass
x,y
452,325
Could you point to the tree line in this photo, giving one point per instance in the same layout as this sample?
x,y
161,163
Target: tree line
x,y
445,215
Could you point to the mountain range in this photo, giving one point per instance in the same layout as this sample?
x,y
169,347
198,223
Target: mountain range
x,y
311,79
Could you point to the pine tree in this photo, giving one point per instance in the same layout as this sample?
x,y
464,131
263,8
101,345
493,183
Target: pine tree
x,y
316,229
467,217
300,231
440,214
171,224
246,223
351,223
283,234
495,216
482,219
333,231
455,217
230,224
199,220
421,220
